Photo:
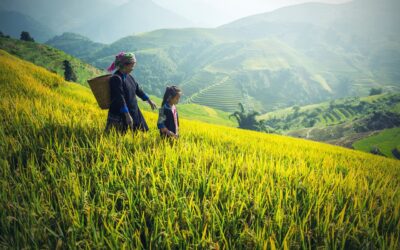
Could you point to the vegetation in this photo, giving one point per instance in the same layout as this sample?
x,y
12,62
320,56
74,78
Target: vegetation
x,y
69,74
376,91
302,54
339,122
386,142
25,36
64,184
49,58
4,35
247,119
376,112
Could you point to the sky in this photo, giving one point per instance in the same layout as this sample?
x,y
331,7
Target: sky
x,y
212,13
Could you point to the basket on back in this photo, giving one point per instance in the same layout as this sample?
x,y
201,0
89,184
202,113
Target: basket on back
x,y
101,90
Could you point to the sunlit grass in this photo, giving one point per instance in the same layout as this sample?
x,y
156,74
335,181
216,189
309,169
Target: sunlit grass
x,y
64,184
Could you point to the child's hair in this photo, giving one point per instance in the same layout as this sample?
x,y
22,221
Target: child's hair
x,y
170,92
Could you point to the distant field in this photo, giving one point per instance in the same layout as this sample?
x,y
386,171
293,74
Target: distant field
x,y
386,142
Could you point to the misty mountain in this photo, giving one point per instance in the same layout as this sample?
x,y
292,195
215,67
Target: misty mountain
x,y
59,15
295,55
75,44
132,17
13,23
100,20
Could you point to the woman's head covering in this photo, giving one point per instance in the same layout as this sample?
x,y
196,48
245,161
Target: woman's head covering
x,y
122,59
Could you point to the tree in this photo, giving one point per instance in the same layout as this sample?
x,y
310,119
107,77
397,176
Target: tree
x,y
248,120
25,36
4,35
296,108
69,74
375,91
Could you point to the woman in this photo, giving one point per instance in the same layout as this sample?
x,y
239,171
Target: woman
x,y
124,112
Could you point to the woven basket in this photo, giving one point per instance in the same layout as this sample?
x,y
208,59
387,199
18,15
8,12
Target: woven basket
x,y
101,90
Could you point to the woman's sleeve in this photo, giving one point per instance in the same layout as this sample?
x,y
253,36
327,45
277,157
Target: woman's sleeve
x,y
140,92
161,119
117,94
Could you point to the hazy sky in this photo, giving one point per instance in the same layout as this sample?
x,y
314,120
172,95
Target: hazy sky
x,y
217,12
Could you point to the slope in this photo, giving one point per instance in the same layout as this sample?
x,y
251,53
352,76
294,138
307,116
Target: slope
x,y
65,184
48,57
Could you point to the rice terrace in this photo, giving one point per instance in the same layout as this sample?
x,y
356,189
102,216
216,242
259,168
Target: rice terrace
x,y
307,160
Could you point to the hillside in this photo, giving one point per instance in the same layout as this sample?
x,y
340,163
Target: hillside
x,y
49,58
386,142
340,122
298,55
65,184
75,45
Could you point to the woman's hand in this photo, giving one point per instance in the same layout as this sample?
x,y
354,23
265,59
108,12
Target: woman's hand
x,y
169,133
129,120
152,104
172,135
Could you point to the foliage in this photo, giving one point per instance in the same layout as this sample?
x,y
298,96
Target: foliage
x,y
375,91
64,184
247,119
69,74
25,36
49,58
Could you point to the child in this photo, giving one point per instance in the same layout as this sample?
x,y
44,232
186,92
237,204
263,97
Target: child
x,y
168,120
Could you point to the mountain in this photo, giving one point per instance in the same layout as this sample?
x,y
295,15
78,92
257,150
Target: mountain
x,y
135,16
13,23
360,17
297,55
59,15
101,20
75,44
65,183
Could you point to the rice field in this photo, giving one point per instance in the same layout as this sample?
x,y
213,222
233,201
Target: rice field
x,y
65,184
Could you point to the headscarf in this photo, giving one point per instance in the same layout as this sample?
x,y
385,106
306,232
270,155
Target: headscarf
x,y
122,59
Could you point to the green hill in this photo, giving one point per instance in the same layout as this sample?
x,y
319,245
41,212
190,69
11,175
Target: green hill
x,y
64,184
298,55
386,143
49,58
341,121
75,45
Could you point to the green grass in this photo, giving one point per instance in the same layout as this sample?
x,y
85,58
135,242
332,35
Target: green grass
x,y
49,58
197,112
65,184
344,110
385,141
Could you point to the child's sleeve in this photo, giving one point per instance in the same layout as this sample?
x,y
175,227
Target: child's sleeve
x,y
161,119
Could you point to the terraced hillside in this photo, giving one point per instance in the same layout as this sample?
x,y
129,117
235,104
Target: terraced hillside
x,y
222,95
65,184
303,54
342,122
331,113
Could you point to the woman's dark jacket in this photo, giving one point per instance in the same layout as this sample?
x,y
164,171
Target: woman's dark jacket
x,y
123,91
